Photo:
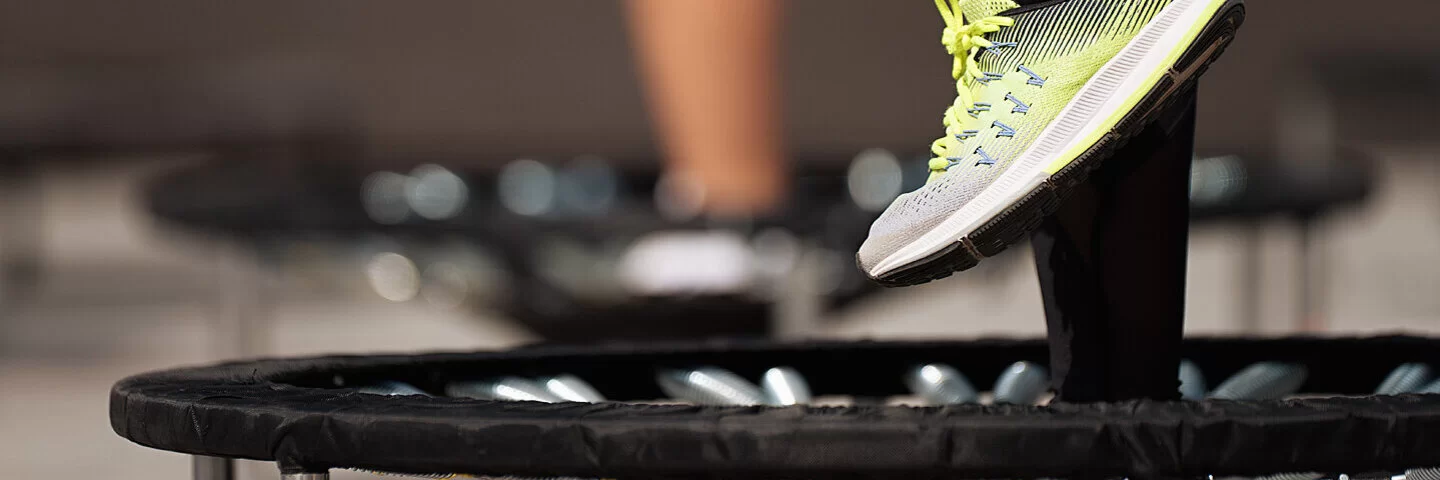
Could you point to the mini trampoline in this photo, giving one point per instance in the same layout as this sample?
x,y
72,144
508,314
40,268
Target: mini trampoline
x,y
311,415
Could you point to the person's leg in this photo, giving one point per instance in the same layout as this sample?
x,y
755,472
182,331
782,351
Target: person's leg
x,y
1111,264
712,78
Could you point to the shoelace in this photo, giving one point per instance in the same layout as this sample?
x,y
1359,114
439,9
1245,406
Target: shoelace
x,y
963,41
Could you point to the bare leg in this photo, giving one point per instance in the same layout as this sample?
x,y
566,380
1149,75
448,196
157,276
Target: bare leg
x,y
713,86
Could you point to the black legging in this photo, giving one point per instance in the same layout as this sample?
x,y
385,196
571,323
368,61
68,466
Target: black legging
x,y
1112,269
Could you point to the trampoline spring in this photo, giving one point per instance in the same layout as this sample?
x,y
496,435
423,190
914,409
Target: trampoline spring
x,y
1422,474
1293,476
482,477
1192,381
785,386
409,475
1407,378
511,389
1278,476
1262,381
1023,383
709,386
392,388
571,388
940,384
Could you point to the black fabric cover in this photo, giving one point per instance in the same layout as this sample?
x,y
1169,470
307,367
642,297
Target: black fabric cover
x,y
292,412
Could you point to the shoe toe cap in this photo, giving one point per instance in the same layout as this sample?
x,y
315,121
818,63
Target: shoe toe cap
x,y
899,225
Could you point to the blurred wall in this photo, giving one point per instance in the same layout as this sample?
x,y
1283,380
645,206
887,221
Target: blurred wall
x,y
460,77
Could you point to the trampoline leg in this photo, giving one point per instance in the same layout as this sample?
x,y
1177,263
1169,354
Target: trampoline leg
x,y
212,468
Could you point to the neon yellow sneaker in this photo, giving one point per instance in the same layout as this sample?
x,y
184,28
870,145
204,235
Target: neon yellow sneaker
x,y
1046,91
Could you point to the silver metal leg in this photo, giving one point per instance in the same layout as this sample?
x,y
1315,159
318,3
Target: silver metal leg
x,y
1307,136
212,468
305,476
797,307
1312,278
242,324
21,239
1250,285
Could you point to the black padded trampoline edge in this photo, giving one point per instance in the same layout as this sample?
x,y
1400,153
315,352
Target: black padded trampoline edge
x,y
239,410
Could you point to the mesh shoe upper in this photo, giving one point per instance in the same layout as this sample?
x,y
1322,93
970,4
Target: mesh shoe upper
x,y
1042,60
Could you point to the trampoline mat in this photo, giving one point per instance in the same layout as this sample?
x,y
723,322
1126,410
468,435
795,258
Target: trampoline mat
x,y
299,413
